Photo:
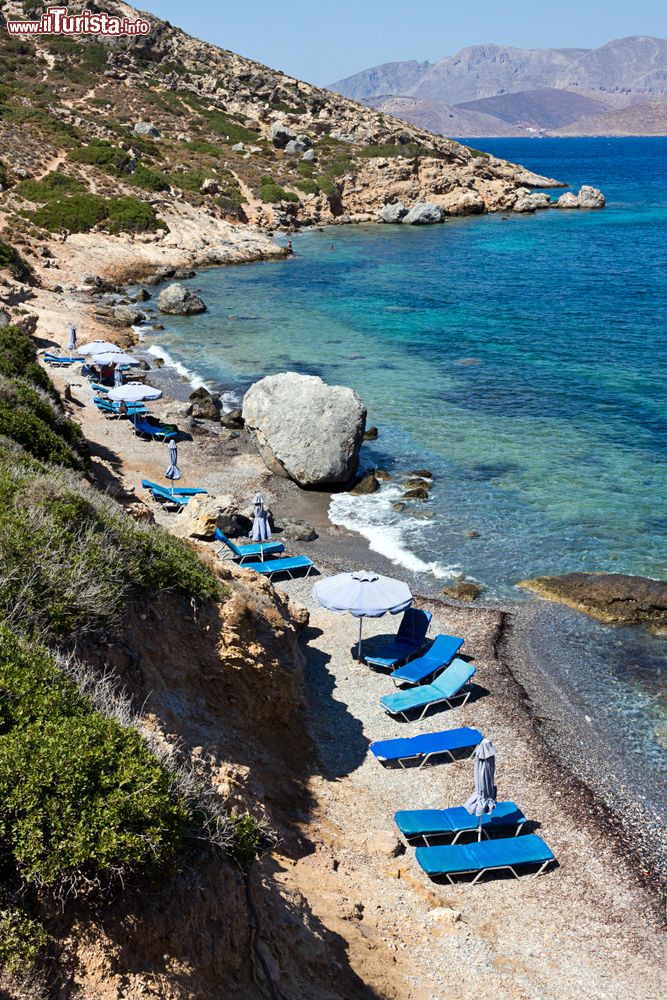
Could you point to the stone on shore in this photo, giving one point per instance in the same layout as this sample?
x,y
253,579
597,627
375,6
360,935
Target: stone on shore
x,y
385,843
368,484
178,300
203,405
204,514
128,316
306,430
533,202
568,200
393,213
424,213
296,531
613,598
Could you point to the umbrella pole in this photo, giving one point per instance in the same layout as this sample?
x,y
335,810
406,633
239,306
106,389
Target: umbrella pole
x,y
361,622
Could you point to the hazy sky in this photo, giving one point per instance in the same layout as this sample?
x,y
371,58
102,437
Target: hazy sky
x,y
326,41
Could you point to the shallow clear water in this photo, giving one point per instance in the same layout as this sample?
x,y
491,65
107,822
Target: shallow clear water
x,y
522,359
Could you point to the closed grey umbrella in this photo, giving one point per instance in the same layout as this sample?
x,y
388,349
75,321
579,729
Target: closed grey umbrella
x,y
484,798
173,472
117,376
261,529
71,344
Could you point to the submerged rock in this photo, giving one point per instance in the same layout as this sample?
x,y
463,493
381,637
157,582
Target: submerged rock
x,y
178,300
613,598
306,430
463,590
419,493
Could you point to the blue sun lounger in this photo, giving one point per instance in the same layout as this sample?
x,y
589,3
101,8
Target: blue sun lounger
x,y
113,409
409,639
155,431
436,658
443,690
242,552
289,566
58,361
485,856
101,389
420,824
183,491
165,495
425,746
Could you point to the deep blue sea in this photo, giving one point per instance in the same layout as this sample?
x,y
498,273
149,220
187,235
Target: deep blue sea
x,y
523,359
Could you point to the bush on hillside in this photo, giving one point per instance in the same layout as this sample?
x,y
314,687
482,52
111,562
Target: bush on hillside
x,y
18,359
100,153
270,191
79,213
54,185
10,258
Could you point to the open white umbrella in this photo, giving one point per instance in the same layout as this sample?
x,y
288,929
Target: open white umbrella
x,y
114,358
261,529
133,392
100,347
483,800
363,595
173,472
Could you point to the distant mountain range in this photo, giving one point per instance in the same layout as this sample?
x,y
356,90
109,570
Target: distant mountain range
x,y
617,89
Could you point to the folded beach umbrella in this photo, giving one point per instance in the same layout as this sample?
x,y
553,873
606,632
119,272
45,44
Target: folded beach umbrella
x,y
100,347
363,595
483,800
173,472
71,343
261,529
117,376
133,392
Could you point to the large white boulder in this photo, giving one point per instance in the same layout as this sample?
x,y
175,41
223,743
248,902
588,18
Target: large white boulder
x,y
590,197
179,301
306,430
424,213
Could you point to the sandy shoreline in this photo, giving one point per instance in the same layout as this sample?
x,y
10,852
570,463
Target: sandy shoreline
x,y
598,875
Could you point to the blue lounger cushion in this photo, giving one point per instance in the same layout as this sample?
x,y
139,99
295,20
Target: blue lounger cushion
x,y
426,745
289,566
154,430
444,688
442,651
409,640
484,855
426,823
184,491
247,551
159,493
60,360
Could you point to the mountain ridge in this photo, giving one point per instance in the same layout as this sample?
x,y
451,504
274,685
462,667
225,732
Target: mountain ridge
x,y
616,75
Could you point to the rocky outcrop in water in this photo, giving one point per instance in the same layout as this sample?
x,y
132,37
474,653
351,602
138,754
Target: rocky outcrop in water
x,y
424,213
306,430
180,301
613,598
588,197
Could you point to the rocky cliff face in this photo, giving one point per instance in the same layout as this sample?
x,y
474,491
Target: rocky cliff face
x,y
204,138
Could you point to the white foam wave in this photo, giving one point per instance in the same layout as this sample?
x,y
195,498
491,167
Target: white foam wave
x,y
159,352
387,532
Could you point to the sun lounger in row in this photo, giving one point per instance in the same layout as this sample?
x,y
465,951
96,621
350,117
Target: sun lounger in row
x,y
441,653
484,856
58,361
422,824
409,639
426,745
184,491
272,567
250,551
445,689
155,431
113,409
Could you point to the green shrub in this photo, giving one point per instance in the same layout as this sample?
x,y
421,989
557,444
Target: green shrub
x,y
305,169
475,153
4,176
149,180
307,185
24,427
129,215
78,213
22,940
82,797
248,840
12,259
271,192
409,150
41,121
103,154
208,148
52,186
191,180
326,186
18,358
81,213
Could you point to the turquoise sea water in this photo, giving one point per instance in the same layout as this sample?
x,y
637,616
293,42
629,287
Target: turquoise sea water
x,y
523,359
